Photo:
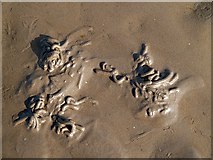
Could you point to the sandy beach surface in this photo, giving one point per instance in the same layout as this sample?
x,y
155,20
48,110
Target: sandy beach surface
x,y
75,83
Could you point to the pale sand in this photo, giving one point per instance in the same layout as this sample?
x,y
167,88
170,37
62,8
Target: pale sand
x,y
177,40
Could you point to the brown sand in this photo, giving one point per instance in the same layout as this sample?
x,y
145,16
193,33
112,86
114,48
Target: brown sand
x,y
177,38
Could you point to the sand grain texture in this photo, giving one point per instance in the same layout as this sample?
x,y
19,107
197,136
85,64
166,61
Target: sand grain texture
x,y
178,40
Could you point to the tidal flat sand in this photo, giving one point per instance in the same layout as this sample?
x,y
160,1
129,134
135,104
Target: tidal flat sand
x,y
103,80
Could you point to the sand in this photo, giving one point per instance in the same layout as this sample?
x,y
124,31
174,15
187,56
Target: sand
x,y
111,122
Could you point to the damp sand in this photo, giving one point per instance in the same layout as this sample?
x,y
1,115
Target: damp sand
x,y
178,40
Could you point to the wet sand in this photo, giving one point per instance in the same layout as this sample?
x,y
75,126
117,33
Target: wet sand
x,y
178,39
